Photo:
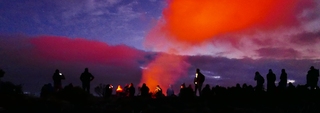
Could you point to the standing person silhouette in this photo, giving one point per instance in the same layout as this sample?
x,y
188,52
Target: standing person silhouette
x,y
86,78
57,77
198,81
260,81
312,77
271,78
144,90
283,79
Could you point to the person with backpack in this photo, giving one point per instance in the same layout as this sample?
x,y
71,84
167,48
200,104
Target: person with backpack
x,y
198,81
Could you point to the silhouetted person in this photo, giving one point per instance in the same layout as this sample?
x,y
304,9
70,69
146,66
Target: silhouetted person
x,y
189,91
108,91
46,90
69,87
126,90
198,81
291,87
158,91
183,90
144,90
206,91
86,78
131,90
1,73
260,81
57,77
271,78
283,79
312,77
170,91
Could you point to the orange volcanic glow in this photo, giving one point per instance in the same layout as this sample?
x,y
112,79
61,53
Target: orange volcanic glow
x,y
195,21
164,70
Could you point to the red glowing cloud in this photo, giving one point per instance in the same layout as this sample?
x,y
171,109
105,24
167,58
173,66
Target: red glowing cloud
x,y
194,21
82,50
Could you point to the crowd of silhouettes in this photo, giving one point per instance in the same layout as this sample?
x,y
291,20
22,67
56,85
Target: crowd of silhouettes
x,y
189,91
185,91
230,96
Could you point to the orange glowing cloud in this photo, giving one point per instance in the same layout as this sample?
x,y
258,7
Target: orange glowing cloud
x,y
196,21
164,70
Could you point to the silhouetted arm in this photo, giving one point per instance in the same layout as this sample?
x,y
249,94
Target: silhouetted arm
x,y
81,77
92,77
63,77
1,73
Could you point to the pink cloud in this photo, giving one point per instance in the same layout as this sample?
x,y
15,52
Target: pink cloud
x,y
82,50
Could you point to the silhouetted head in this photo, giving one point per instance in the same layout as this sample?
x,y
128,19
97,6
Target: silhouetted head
x,y
198,70
257,73
311,67
57,71
144,85
270,70
131,85
207,86
183,85
238,85
86,70
244,85
283,70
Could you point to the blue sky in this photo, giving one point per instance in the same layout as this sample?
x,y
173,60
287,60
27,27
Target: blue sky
x,y
110,21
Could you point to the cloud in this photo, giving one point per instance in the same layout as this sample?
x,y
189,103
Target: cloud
x,y
192,22
306,38
275,30
82,50
277,53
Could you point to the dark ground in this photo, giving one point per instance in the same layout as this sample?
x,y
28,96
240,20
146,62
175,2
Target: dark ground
x,y
260,103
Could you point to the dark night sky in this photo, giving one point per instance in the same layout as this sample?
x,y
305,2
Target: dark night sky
x,y
120,40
